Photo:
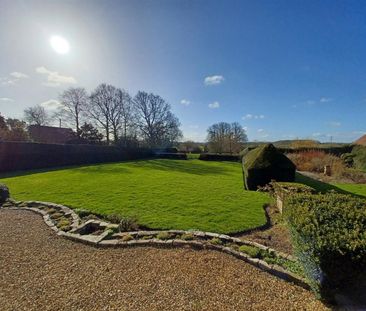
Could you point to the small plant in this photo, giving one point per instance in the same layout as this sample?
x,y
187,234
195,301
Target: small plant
x,y
127,224
114,218
163,235
187,236
4,193
56,215
82,212
63,224
127,237
216,241
252,251
147,237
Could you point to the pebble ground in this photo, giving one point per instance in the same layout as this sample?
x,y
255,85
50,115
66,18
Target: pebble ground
x,y
41,271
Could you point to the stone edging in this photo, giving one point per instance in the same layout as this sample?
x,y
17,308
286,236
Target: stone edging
x,y
103,239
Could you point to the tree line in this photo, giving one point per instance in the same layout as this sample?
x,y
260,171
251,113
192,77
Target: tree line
x,y
110,113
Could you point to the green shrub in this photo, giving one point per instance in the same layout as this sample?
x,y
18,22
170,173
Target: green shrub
x,y
127,237
216,241
329,237
114,218
128,224
359,157
264,164
163,235
82,212
252,251
187,236
4,193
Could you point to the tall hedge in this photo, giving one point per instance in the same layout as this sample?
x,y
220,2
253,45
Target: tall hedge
x,y
22,156
329,237
264,164
219,157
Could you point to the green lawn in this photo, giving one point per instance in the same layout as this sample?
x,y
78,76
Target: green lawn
x,y
163,194
356,189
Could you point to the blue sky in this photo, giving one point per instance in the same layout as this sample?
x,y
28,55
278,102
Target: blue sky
x,y
283,69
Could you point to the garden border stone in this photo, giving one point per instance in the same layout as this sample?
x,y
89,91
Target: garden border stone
x,y
202,242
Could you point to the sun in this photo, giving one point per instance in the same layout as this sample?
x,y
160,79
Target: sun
x,y
59,44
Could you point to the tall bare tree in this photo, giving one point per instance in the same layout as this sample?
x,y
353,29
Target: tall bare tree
x,y
74,102
157,124
104,108
226,137
36,115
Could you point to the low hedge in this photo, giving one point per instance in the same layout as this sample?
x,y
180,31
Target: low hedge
x,y
176,156
329,237
219,157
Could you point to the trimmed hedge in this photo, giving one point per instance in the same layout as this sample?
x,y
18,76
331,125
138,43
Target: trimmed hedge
x,y
219,157
329,237
23,156
176,156
264,164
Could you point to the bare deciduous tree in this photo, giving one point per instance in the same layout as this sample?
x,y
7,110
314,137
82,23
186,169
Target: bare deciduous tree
x,y
36,115
226,137
74,102
157,124
103,108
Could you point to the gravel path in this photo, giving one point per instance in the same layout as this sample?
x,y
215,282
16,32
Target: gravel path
x,y
41,271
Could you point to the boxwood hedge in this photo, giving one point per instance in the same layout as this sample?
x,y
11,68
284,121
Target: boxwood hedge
x,y
264,164
329,237
218,157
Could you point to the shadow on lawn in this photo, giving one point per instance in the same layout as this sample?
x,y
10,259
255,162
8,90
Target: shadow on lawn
x,y
183,166
321,186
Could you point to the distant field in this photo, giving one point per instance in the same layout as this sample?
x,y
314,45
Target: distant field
x,y
163,194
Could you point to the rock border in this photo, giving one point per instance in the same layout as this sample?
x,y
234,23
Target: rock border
x,y
108,238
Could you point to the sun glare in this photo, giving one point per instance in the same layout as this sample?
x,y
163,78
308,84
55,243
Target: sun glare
x,y
59,44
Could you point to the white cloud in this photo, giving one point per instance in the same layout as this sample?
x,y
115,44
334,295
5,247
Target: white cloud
x,y
214,80
250,116
19,75
13,78
245,128
214,105
54,78
6,99
193,126
260,130
185,102
51,104
317,134
334,124
325,100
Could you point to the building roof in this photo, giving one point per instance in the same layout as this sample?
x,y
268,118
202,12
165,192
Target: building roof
x,y
361,141
50,134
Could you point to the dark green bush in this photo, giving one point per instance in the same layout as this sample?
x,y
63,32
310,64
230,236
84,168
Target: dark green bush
x,y
128,224
264,164
4,193
218,157
359,157
176,156
329,237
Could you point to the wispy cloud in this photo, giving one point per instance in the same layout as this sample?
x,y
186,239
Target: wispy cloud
x,y
51,104
13,78
325,100
185,102
214,105
214,80
54,78
250,116
334,124
6,99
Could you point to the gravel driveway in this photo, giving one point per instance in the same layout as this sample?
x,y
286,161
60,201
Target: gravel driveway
x,y
41,271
